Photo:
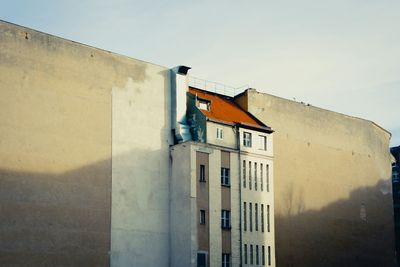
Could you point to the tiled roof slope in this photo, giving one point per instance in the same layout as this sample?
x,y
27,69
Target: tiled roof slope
x,y
224,110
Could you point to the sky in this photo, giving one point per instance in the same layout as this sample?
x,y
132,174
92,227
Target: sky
x,y
341,55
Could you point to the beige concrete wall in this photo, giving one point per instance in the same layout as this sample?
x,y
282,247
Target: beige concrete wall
x,y
183,220
55,149
333,204
141,136
235,209
215,208
74,120
229,135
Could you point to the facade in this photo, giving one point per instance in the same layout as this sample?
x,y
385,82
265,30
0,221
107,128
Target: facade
x,y
222,182
395,151
332,174
78,185
100,165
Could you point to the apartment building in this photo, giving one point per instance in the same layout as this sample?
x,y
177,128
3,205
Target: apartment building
x,y
222,203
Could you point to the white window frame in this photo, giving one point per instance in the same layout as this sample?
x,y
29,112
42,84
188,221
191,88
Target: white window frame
x,y
220,133
263,142
225,219
226,260
204,105
247,139
225,176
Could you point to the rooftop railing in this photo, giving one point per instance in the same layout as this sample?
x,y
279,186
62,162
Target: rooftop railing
x,y
216,87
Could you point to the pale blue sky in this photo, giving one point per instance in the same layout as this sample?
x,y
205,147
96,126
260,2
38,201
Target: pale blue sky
x,y
342,55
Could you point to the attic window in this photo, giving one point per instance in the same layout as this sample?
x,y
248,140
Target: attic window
x,y
203,104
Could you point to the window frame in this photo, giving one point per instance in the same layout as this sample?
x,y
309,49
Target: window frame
x,y
220,133
245,216
245,253
205,253
262,218
256,216
269,255
251,255
255,176
225,176
257,256
226,259
251,217
263,142
202,174
244,173
202,219
247,139
225,219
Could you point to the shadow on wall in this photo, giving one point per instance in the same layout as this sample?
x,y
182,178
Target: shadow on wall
x,y
357,231
63,219
56,219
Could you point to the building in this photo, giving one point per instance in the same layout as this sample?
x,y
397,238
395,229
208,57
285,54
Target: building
x,y
78,185
222,186
88,166
332,178
395,151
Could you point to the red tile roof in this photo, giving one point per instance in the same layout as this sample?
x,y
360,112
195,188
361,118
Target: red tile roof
x,y
224,109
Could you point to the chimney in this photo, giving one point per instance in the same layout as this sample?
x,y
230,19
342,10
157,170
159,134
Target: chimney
x,y
179,88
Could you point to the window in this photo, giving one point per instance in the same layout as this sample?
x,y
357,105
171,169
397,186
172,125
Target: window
x,y
202,217
262,218
262,176
202,173
250,175
251,254
263,142
201,259
257,258
225,219
269,256
220,133
246,139
225,176
267,176
204,104
256,215
244,216
244,174
263,256
251,218
268,228
245,253
255,176
226,260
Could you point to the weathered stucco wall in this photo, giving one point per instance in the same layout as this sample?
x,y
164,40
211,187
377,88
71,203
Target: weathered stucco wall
x,y
332,189
59,154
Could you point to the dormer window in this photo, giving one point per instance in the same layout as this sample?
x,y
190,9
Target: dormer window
x,y
203,104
